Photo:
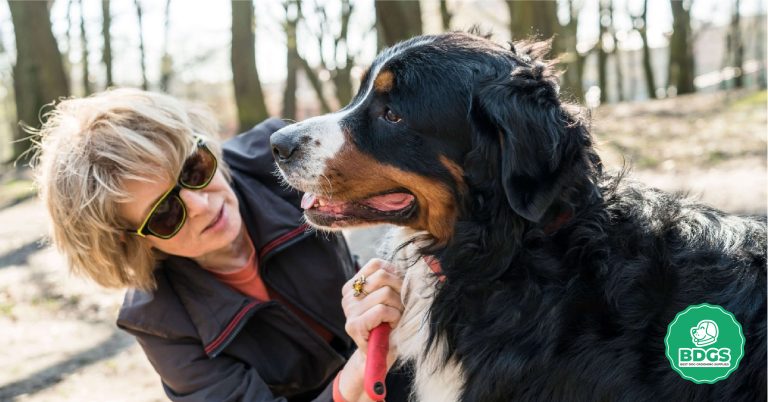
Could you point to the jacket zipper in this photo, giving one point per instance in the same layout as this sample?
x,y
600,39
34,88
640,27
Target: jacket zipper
x,y
280,244
239,320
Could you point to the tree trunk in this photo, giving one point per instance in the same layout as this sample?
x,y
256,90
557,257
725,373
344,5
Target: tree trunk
x,y
539,19
616,56
39,76
293,13
619,75
738,46
534,18
68,40
602,57
342,75
397,20
84,51
106,55
340,60
342,80
144,83
650,83
759,52
249,97
570,60
445,15
166,63
681,66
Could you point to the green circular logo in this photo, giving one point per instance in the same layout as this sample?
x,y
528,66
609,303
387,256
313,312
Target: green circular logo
x,y
704,343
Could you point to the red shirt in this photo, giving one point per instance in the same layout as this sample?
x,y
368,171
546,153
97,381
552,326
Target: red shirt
x,y
247,281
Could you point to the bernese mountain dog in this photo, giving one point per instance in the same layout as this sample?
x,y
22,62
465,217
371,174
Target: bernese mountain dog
x,y
530,272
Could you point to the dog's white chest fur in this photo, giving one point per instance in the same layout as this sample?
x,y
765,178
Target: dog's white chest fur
x,y
434,380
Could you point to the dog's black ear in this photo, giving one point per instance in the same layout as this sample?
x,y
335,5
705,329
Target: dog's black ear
x,y
523,109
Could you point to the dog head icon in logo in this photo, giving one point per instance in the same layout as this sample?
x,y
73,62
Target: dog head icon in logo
x,y
705,333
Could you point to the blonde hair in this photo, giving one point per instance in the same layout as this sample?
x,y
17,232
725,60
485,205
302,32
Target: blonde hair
x,y
87,149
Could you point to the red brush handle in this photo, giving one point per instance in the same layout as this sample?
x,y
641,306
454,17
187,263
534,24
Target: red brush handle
x,y
376,362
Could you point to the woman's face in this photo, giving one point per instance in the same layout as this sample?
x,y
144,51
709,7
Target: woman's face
x,y
213,218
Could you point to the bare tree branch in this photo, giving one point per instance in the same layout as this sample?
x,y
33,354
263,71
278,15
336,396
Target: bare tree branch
x,y
316,85
144,82
84,52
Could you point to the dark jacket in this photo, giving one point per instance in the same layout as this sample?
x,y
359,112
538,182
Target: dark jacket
x,y
209,342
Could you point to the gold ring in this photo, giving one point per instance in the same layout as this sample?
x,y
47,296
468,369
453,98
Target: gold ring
x,y
357,286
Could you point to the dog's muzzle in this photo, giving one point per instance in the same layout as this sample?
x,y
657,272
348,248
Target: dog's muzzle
x,y
286,145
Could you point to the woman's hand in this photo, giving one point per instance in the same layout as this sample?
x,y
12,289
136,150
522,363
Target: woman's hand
x,y
379,302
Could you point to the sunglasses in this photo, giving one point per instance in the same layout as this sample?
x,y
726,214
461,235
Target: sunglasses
x,y
168,214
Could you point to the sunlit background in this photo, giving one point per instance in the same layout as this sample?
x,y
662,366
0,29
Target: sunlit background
x,y
676,91
187,43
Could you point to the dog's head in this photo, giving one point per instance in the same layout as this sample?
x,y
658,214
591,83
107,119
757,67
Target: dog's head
x,y
436,117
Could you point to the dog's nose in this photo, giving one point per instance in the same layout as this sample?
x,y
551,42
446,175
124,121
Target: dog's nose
x,y
285,144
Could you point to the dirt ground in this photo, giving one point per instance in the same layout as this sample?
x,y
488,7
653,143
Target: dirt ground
x,y
58,334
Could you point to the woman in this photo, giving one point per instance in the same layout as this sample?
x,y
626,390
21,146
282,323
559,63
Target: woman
x,y
231,296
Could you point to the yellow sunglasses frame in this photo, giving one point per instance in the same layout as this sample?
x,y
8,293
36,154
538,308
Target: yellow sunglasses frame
x,y
175,190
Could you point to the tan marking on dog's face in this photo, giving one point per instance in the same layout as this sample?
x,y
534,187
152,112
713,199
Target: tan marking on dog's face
x,y
353,175
456,171
384,81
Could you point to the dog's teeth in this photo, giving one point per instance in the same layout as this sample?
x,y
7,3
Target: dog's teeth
x,y
322,203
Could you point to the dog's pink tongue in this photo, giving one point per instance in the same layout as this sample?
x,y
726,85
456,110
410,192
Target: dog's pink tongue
x,y
389,202
308,200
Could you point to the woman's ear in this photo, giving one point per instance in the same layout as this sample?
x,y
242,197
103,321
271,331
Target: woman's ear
x,y
531,128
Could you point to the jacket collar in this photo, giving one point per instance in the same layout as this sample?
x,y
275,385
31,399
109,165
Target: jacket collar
x,y
272,209
188,302
216,310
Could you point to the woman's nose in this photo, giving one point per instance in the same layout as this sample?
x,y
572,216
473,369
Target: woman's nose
x,y
196,201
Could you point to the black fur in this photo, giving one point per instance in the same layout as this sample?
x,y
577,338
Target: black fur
x,y
532,307
581,313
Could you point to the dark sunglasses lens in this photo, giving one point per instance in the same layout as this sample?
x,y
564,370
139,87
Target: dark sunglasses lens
x,y
167,219
198,169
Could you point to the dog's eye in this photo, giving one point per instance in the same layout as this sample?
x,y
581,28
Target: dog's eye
x,y
391,116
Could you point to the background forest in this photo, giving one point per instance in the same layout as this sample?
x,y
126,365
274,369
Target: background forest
x,y
298,58
676,91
